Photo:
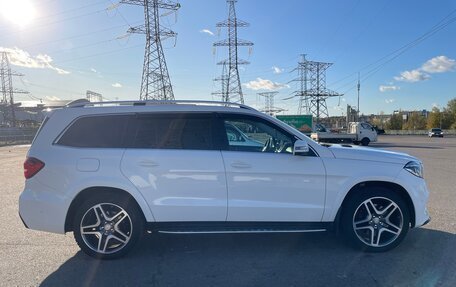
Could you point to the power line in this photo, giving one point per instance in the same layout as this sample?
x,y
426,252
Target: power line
x,y
443,23
73,37
65,12
115,7
99,54
37,27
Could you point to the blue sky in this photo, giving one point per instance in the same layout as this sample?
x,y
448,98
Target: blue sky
x,y
68,47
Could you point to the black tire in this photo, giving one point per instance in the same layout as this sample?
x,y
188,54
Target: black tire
x,y
365,141
365,238
113,227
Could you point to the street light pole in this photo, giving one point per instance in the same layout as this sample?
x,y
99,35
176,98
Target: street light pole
x,y
359,87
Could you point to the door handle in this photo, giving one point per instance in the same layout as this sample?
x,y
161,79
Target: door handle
x,y
239,164
148,163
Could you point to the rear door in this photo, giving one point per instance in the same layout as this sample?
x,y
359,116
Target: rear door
x,y
174,161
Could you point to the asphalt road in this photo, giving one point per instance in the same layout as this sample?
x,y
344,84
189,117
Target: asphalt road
x,y
427,257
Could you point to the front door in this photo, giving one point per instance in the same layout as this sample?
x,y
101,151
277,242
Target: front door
x,y
266,182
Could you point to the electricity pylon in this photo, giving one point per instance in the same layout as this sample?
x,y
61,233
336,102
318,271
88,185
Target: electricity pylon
x,y
313,93
155,84
7,90
269,107
303,106
231,82
93,96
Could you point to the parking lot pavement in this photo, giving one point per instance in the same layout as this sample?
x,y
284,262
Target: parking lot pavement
x,y
427,257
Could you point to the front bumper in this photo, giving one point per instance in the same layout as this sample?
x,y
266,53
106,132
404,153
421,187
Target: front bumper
x,y
427,221
419,193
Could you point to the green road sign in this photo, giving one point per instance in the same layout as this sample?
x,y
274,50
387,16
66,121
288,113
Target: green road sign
x,y
303,123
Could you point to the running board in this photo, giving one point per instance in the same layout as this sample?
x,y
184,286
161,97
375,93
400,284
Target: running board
x,y
240,231
237,227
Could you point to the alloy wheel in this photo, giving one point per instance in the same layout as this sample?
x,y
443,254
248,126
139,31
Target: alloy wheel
x,y
106,228
378,221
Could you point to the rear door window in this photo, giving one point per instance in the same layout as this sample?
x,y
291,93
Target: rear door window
x,y
173,131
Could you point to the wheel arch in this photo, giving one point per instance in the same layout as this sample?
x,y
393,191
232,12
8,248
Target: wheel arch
x,y
365,141
363,186
86,193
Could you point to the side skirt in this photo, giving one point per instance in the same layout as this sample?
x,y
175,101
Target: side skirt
x,y
237,227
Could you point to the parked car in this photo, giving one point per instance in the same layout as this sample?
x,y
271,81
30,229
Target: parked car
x,y
109,171
435,132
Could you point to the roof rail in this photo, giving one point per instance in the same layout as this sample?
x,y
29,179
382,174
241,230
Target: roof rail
x,y
85,103
77,103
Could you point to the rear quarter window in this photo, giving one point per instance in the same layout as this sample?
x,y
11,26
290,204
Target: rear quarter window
x,y
46,119
96,132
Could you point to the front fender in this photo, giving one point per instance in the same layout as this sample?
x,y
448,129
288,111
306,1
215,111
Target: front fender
x,y
339,181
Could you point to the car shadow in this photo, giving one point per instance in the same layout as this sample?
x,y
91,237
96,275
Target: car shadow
x,y
425,258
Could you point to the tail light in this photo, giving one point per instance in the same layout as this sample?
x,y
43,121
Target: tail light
x,y
32,166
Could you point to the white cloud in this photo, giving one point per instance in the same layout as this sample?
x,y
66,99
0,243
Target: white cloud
x,y
384,88
207,31
261,84
93,70
277,70
390,101
117,85
22,58
412,76
439,64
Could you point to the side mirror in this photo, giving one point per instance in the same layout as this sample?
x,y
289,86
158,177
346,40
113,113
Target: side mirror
x,y
300,147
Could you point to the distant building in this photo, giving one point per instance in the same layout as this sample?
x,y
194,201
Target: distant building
x,y
31,113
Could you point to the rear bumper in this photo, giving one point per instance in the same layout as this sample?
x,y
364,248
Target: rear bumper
x,y
42,210
23,222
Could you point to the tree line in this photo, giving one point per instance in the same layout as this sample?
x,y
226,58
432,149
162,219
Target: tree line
x,y
438,118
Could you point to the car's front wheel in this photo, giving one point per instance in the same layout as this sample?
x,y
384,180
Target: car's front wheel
x,y
107,226
375,219
365,141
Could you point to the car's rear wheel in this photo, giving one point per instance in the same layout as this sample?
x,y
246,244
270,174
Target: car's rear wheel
x,y
108,226
375,219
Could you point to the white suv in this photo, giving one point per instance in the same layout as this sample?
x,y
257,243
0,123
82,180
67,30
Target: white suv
x,y
110,171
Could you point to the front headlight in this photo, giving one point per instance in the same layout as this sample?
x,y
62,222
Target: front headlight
x,y
414,168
